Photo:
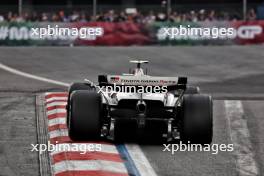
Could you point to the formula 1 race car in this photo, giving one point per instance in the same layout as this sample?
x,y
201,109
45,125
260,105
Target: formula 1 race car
x,y
117,103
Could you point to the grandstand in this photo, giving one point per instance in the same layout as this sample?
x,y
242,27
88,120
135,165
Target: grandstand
x,y
140,11
130,22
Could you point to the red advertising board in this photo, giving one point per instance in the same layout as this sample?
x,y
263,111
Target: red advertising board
x,y
128,33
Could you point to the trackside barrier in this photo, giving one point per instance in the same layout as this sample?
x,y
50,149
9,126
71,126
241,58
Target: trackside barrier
x,y
127,33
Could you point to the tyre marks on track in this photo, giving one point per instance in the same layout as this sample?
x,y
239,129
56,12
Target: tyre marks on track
x,y
110,161
240,137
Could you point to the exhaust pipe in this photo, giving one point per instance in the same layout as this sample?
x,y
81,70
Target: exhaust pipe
x,y
141,106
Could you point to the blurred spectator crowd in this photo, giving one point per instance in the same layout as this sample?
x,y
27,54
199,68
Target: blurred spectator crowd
x,y
137,17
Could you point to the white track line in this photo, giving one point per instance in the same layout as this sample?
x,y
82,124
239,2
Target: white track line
x,y
57,121
140,160
240,137
27,75
56,104
56,98
52,93
56,111
58,133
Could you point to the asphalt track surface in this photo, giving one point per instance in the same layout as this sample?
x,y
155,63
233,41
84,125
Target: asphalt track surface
x,y
226,72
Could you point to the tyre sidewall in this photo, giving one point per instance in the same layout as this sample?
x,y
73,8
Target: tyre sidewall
x,y
197,122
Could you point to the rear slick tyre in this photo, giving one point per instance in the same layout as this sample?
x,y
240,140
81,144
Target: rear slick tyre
x,y
85,115
72,88
197,119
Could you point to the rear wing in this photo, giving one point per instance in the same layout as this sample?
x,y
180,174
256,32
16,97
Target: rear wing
x,y
139,62
172,83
